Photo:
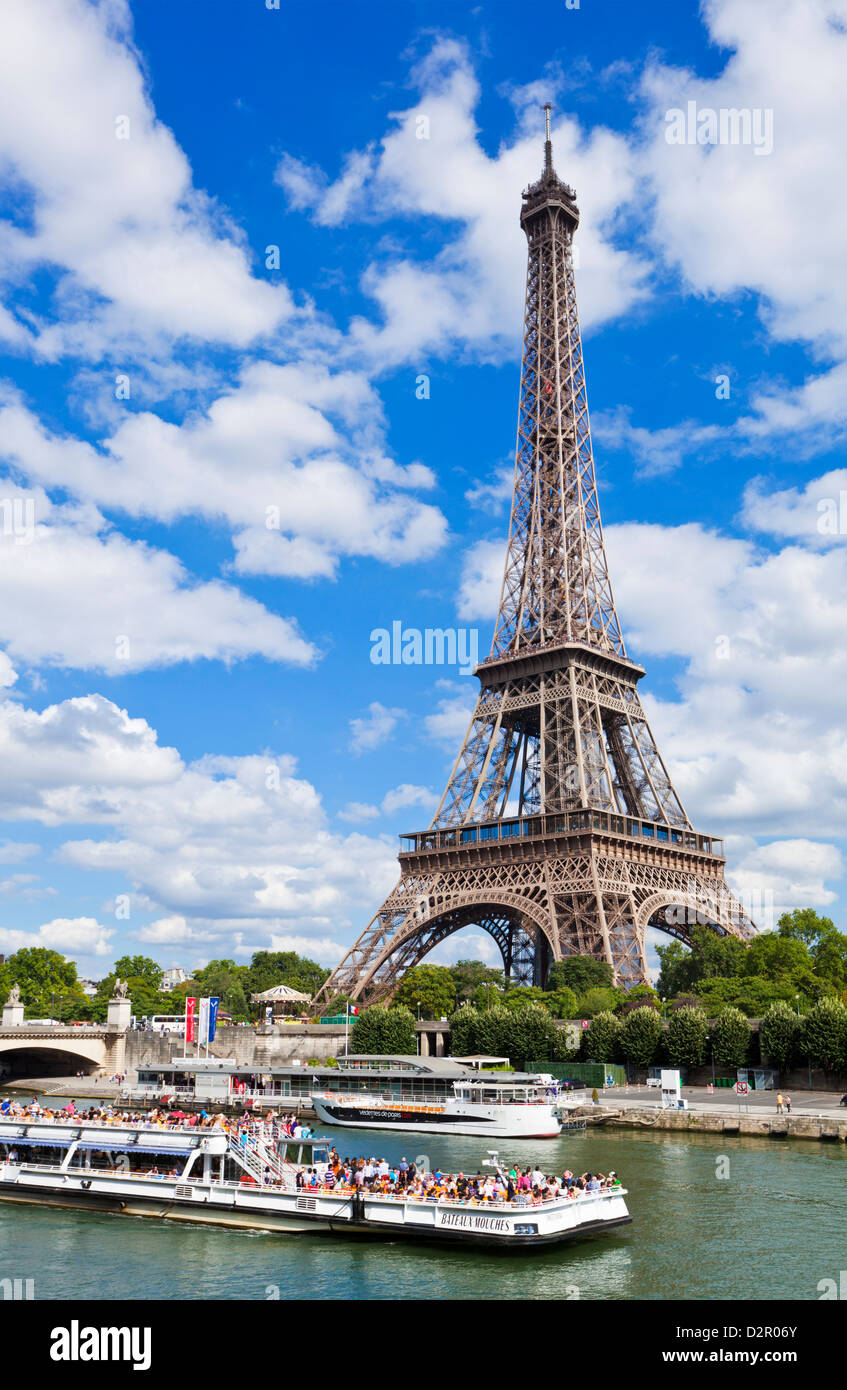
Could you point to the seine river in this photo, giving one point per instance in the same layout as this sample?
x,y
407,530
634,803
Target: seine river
x,y
772,1228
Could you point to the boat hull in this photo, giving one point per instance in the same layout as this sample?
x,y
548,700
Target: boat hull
x,y
528,1122
362,1218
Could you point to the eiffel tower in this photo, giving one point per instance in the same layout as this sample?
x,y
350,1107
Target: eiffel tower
x,y
559,831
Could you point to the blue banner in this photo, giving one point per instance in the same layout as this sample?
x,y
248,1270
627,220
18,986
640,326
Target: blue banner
x,y
213,1018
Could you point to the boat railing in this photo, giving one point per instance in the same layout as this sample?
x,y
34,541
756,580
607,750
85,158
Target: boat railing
x,y
410,1098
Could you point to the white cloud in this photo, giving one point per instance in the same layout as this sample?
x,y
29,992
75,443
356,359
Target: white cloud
x,y
325,949
357,811
197,843
755,739
13,851
140,606
657,451
786,874
407,794
816,513
67,935
374,728
167,930
470,293
448,723
291,459
140,253
481,579
734,222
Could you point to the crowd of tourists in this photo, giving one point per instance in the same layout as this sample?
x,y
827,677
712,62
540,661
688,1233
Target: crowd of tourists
x,y
267,1128
523,1186
261,1133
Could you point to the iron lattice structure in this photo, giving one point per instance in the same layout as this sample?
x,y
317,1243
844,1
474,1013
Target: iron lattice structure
x,y
559,831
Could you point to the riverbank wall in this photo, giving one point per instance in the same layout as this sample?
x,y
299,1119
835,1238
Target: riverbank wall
x,y
711,1122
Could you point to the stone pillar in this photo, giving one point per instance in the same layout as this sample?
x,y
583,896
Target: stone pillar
x,y
118,1014
13,1014
423,1038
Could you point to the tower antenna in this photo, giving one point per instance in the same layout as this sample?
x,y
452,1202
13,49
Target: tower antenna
x,y
548,147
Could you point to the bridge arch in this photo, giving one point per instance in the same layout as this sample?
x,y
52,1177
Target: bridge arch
x,y
36,1056
674,911
518,927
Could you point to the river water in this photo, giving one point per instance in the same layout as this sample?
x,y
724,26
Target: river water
x,y
772,1228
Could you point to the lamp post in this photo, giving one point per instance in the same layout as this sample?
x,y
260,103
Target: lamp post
x,y
711,1043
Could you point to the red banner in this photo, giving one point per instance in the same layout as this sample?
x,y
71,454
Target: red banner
x,y
190,1020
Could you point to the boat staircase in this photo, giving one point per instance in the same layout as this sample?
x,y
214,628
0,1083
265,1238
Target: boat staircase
x,y
254,1156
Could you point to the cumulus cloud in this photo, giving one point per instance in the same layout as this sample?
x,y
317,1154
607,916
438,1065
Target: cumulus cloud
x,y
80,594
200,843
430,164
291,459
137,252
374,728
68,935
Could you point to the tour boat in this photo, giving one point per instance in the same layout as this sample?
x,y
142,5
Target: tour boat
x,y
223,1179
486,1108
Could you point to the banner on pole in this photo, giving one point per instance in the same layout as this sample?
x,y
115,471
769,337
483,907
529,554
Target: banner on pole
x,y
190,1020
203,1029
213,1018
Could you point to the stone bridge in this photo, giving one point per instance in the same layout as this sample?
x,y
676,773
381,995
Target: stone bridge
x,y
39,1050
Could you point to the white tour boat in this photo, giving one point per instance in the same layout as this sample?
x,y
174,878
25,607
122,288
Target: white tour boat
x,y
488,1108
208,1176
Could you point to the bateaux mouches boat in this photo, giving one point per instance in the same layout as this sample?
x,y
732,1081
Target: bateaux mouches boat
x,y
492,1109
237,1180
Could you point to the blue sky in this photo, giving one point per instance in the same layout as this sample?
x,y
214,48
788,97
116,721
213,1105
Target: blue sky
x,y
219,475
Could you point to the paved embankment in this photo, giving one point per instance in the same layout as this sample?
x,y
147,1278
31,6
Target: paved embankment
x,y
714,1120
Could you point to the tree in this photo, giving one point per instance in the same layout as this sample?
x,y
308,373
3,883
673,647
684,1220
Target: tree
x,y
493,1033
804,924
384,1032
600,1041
686,1037
563,1051
469,974
522,995
140,968
269,968
752,994
44,978
463,1031
730,1038
638,997
823,1039
639,1035
598,1000
530,1035
226,981
561,1003
773,956
779,1031
710,955
580,973
430,986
